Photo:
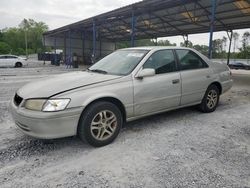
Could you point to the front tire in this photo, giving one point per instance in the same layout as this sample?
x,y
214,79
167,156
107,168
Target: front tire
x,y
210,100
100,124
18,64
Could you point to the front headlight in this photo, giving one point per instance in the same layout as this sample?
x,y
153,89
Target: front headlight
x,y
55,105
35,104
46,105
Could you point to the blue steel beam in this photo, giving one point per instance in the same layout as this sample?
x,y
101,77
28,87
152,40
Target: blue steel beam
x,y
133,29
44,48
70,55
94,41
55,57
210,55
230,36
83,44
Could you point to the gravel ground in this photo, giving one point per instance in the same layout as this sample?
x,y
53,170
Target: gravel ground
x,y
182,148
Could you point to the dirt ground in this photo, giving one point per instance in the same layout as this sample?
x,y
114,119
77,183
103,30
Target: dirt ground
x,y
182,148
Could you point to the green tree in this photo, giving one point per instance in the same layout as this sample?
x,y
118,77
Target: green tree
x,y
15,36
4,48
245,50
144,42
189,44
217,48
201,48
235,40
34,31
165,43
224,43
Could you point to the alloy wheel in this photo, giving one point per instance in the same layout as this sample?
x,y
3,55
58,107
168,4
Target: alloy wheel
x,y
103,125
212,98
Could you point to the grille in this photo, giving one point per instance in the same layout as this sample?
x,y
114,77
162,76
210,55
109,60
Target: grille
x,y
17,100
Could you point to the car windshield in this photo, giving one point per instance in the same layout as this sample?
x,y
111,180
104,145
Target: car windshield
x,y
120,62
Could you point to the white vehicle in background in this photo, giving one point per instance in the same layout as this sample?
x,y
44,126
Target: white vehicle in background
x,y
12,61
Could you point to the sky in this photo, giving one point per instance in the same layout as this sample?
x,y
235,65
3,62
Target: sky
x,y
57,13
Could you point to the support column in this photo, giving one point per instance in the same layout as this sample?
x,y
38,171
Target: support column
x,y
230,36
44,48
100,39
211,28
133,20
55,56
70,50
185,38
83,45
64,48
94,43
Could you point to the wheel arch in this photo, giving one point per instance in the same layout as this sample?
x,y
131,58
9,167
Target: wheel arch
x,y
18,62
218,85
112,100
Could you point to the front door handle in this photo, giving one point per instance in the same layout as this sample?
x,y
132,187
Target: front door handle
x,y
176,81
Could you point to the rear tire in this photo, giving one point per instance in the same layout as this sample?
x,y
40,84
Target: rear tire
x,y
18,64
100,124
210,100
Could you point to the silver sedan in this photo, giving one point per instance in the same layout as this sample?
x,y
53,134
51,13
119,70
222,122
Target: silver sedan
x,y
125,85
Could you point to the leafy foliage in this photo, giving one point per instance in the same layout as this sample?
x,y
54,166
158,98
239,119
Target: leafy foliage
x,y
4,48
144,42
15,37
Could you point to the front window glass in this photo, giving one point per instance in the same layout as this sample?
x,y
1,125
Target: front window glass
x,y
162,61
121,62
10,57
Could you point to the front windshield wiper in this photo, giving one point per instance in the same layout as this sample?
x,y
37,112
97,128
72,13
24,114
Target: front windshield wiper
x,y
98,71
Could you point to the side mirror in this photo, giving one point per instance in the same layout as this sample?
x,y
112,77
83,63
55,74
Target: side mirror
x,y
145,73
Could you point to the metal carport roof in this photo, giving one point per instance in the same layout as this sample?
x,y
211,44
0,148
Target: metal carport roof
x,y
162,18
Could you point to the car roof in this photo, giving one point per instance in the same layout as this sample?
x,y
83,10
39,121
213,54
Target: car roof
x,y
155,48
8,55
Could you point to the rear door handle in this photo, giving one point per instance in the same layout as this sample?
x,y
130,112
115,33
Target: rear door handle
x,y
176,81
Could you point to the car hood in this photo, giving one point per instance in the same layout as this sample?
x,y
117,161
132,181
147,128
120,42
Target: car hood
x,y
56,84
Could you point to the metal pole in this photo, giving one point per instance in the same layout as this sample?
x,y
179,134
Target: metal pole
x,y
211,28
94,42
70,48
133,29
230,43
55,58
100,38
83,45
26,43
185,38
43,50
65,48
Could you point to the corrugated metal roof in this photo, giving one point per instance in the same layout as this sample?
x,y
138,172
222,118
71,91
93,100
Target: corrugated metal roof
x,y
162,18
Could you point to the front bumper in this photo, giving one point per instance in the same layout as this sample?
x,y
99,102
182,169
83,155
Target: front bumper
x,y
46,125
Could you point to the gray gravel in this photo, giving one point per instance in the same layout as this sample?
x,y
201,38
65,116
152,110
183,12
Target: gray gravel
x,y
182,148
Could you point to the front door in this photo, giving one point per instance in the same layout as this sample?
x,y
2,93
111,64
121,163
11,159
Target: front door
x,y
161,91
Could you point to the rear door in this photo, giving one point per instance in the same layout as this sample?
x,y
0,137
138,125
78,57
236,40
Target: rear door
x,y
11,60
196,76
3,61
161,91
